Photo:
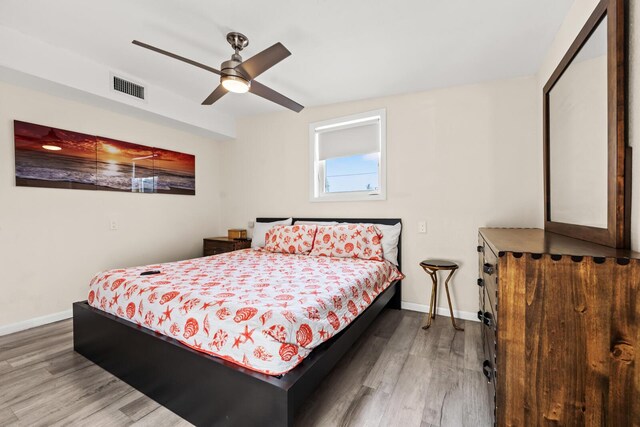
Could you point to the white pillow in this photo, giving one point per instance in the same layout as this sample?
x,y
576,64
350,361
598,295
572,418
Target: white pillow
x,y
316,223
260,230
390,237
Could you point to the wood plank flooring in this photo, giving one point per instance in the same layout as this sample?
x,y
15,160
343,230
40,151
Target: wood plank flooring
x,y
395,375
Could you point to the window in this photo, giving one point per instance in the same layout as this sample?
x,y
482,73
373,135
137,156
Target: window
x,y
348,158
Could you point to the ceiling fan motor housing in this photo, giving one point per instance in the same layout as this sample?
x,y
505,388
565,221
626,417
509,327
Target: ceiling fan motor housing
x,y
228,69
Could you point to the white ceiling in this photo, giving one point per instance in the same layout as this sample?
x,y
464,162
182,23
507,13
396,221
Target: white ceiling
x,y
341,50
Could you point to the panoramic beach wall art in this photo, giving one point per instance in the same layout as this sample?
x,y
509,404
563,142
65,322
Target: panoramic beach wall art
x,y
58,158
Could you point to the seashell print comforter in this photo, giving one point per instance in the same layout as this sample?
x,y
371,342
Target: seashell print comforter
x,y
261,310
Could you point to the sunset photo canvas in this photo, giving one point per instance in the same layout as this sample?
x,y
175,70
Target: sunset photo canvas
x,y
54,158
123,166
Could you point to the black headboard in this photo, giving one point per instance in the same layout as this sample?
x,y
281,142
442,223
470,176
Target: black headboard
x,y
384,221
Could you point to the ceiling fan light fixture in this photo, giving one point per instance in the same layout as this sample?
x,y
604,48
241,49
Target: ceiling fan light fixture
x,y
235,84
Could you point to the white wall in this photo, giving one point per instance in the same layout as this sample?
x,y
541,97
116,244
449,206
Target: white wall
x,y
458,158
52,241
573,23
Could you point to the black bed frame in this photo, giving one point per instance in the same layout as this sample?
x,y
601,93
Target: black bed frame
x,y
205,390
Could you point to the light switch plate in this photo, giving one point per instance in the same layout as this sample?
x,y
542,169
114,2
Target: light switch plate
x,y
422,226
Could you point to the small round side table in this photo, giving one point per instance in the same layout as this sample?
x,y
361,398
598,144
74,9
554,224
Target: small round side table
x,y
432,266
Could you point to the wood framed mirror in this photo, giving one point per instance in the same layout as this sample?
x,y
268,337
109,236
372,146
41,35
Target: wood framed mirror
x,y
587,162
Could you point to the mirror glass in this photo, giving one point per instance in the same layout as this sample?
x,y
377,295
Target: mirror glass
x,y
578,137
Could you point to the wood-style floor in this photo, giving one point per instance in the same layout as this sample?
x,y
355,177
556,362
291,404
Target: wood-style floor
x,y
396,375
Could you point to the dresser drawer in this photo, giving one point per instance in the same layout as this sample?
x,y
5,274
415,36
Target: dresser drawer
x,y
491,286
214,250
491,343
488,279
489,275
490,376
492,396
487,316
215,246
482,247
490,316
490,367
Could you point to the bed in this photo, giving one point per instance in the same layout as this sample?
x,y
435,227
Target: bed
x,y
208,384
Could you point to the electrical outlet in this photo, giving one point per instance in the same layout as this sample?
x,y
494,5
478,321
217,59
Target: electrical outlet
x,y
113,225
422,226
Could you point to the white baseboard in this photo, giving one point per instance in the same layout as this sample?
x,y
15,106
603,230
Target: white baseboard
x,y
441,311
36,321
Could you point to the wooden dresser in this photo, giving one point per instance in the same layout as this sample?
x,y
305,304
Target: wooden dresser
x,y
561,329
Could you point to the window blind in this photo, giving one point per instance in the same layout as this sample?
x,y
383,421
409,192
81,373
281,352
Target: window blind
x,y
349,140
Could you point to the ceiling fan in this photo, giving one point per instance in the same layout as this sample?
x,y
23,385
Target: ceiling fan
x,y
239,76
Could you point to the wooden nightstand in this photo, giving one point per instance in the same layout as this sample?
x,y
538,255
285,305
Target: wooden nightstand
x,y
220,245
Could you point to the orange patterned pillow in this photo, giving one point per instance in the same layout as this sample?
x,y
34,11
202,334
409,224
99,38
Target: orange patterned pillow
x,y
349,241
290,239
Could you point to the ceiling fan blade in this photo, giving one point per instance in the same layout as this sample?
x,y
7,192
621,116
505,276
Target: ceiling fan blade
x,y
215,95
273,96
174,56
264,60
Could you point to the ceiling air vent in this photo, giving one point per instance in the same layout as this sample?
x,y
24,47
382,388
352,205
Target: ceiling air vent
x,y
130,88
